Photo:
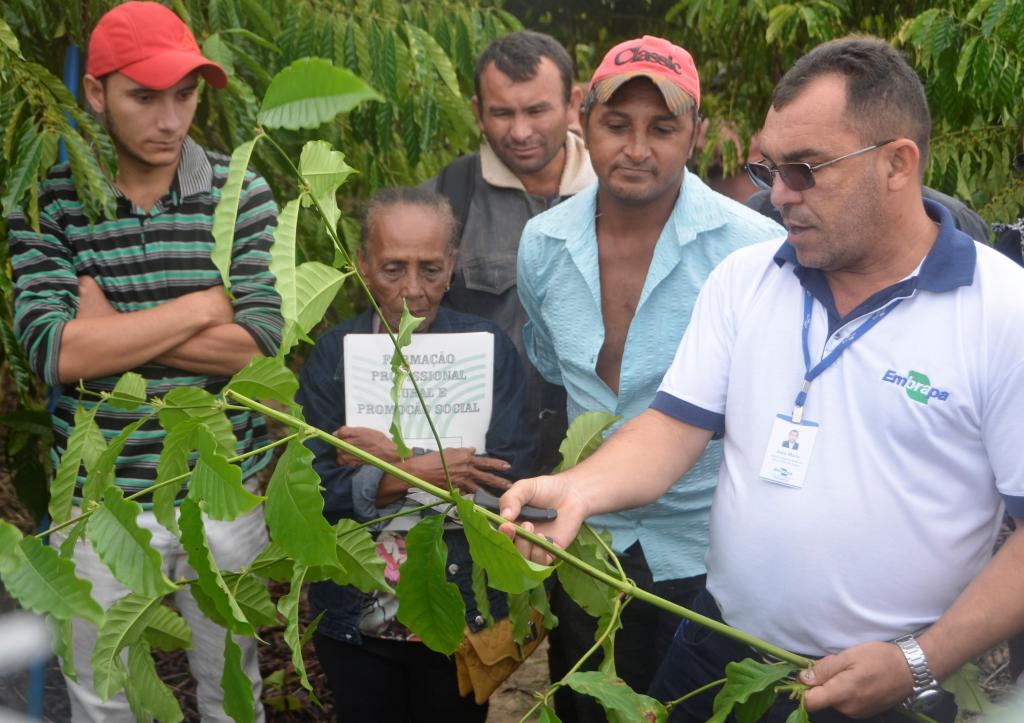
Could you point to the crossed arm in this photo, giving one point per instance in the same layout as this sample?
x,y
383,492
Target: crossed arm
x,y
195,332
860,681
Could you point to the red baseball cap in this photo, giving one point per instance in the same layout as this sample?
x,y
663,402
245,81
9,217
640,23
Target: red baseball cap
x,y
668,66
151,45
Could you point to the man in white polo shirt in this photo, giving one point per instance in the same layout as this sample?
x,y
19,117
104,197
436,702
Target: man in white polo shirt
x,y
894,345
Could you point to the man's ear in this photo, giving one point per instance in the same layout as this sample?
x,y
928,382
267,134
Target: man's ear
x,y
574,111
94,93
476,113
904,163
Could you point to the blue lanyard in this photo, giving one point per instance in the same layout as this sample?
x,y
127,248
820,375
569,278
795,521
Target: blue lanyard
x,y
812,373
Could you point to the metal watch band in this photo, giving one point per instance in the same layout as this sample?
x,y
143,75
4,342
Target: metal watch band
x,y
922,674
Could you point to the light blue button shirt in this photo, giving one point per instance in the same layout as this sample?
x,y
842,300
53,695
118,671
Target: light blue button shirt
x,y
560,287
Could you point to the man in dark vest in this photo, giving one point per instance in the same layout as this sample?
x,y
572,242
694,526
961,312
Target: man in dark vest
x,y
528,162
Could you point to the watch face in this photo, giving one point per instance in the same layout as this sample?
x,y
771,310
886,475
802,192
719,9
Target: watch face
x,y
926,700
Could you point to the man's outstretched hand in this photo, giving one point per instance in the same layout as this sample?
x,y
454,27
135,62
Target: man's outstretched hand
x,y
554,492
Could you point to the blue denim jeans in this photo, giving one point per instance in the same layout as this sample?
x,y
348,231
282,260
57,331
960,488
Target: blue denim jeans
x,y
698,656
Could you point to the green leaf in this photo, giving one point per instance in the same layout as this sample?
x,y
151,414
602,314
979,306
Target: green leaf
x,y
253,598
619,701
129,392
429,605
548,715
507,570
403,338
209,579
966,56
608,644
218,483
519,616
294,509
184,404
92,186
147,695
41,581
218,51
282,258
539,601
8,38
238,698
226,213
410,130
324,170
273,563
969,695
438,58
166,630
307,634
289,609
310,92
583,437
22,175
483,601
86,440
744,680
593,596
316,286
62,647
357,553
101,474
179,443
125,622
125,547
388,63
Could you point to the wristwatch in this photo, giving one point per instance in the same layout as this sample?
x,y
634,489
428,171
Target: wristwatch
x,y
927,691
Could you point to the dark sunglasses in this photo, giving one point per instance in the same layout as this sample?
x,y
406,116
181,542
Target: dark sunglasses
x,y
797,176
1018,163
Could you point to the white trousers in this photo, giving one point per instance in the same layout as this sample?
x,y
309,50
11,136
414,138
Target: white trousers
x,y
233,545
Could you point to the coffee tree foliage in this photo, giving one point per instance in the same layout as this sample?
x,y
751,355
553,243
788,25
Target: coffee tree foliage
x,y
201,450
318,90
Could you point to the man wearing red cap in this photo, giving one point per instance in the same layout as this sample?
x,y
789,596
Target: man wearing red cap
x,y
608,279
139,292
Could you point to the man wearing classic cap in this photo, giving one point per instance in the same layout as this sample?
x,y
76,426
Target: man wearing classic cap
x,y
139,292
608,279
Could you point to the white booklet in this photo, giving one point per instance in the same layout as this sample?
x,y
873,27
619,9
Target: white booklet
x,y
455,373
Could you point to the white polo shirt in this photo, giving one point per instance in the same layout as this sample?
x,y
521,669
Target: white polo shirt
x,y
919,445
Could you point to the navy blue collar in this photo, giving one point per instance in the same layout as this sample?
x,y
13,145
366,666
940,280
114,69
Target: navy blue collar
x,y
949,265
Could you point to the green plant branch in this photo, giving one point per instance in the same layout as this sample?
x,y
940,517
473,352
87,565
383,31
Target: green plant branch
x,y
598,642
167,482
609,550
340,248
693,693
620,585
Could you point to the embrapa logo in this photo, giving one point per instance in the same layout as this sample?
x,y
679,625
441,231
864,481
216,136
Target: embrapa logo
x,y
918,386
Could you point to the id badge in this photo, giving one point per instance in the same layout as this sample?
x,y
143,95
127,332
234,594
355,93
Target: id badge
x,y
789,451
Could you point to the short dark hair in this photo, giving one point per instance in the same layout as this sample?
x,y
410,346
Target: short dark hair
x,y
884,96
518,55
387,198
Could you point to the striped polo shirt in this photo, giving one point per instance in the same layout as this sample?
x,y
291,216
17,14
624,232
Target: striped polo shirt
x,y
142,259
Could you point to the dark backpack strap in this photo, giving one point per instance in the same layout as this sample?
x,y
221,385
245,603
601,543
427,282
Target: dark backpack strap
x,y
456,182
